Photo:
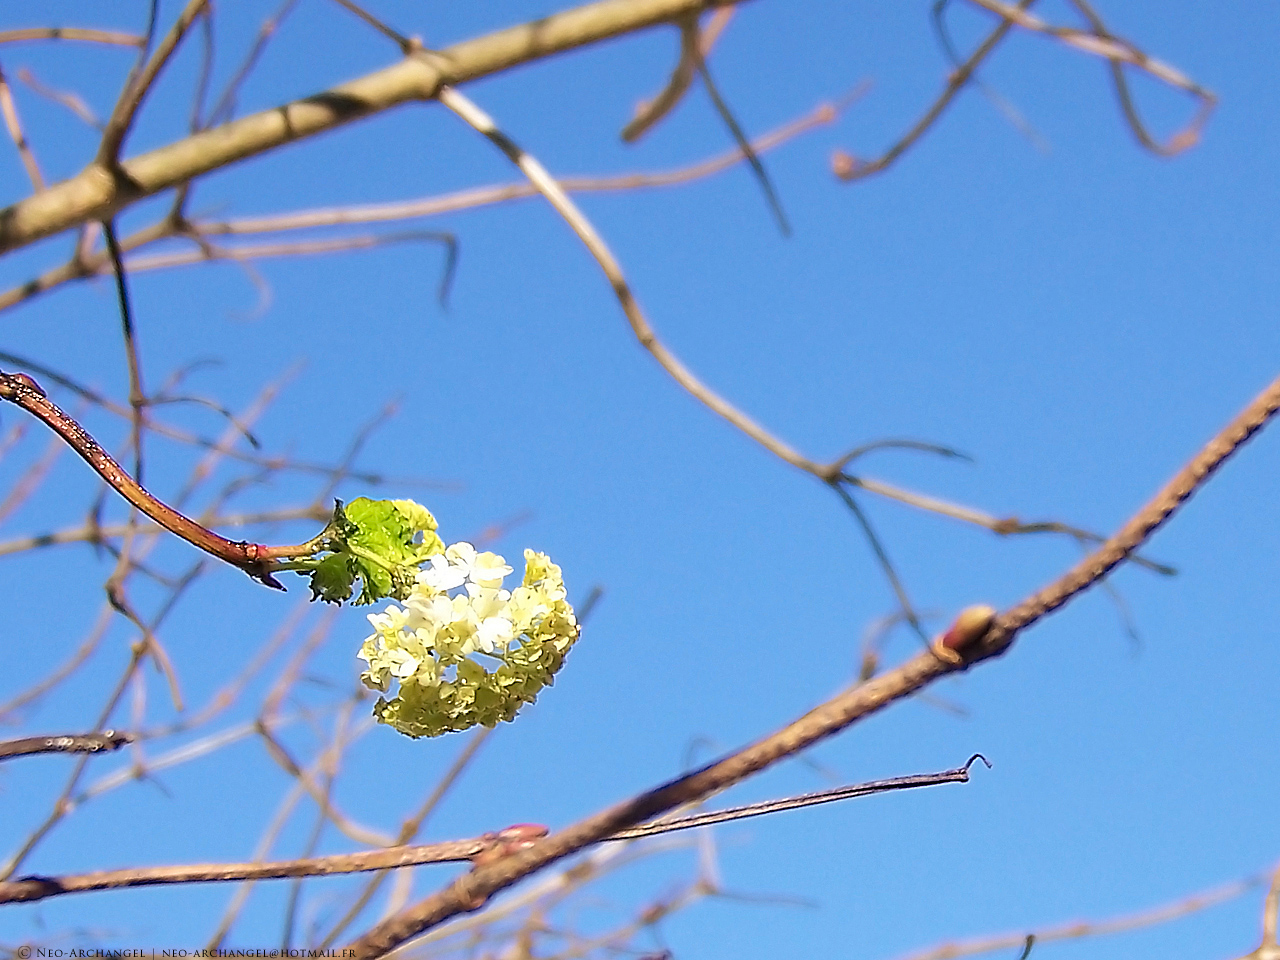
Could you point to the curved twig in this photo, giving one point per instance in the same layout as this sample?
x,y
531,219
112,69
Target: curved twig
x,y
249,557
1180,141
847,167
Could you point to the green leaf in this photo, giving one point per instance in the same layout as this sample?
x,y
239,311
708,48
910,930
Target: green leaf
x,y
382,543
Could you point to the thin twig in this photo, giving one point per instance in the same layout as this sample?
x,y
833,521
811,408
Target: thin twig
x,y
408,830
547,186
882,557
481,848
14,125
1085,928
137,395
847,167
1180,141
96,533
744,144
136,89
85,265
225,108
83,652
21,390
1112,48
649,112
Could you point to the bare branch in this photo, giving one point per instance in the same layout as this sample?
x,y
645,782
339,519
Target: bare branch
x,y
1086,928
84,265
650,112
598,249
96,533
126,108
1179,141
67,99
94,194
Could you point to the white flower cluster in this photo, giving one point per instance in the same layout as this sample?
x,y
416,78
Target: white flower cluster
x,y
429,643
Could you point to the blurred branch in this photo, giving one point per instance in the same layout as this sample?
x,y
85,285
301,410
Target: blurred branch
x,y
408,830
14,125
1269,949
847,167
1112,48
1091,928
97,533
97,194
88,264
24,392
137,88
88,35
1004,526
1179,141
67,99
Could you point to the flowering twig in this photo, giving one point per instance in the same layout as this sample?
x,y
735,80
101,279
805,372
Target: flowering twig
x,y
975,636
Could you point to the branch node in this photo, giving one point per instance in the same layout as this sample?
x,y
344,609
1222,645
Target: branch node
x,y
965,631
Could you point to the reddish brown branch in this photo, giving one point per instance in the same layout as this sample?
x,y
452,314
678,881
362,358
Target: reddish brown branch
x,y
23,391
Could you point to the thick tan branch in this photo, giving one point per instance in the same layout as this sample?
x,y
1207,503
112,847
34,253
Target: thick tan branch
x,y
96,194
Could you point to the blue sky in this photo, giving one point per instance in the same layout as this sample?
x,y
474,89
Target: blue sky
x,y
1079,319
